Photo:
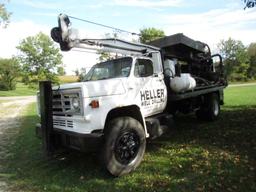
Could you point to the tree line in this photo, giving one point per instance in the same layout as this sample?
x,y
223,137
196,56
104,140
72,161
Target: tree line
x,y
239,60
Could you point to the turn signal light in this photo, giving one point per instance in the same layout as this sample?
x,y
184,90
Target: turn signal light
x,y
94,104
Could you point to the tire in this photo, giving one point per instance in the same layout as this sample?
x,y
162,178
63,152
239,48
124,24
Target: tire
x,y
210,110
124,145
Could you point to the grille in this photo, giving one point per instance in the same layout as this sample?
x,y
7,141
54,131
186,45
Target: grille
x,y
63,123
61,103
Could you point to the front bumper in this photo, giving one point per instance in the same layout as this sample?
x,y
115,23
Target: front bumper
x,y
73,140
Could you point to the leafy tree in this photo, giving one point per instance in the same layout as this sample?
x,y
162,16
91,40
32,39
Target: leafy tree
x,y
4,15
61,70
242,65
40,59
150,34
9,71
236,59
249,3
252,56
82,74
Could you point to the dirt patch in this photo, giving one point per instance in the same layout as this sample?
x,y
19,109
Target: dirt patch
x,y
11,111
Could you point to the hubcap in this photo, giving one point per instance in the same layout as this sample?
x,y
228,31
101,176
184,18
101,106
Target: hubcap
x,y
127,147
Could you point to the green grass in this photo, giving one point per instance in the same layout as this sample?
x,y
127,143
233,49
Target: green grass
x,y
24,90
193,156
21,90
237,96
241,82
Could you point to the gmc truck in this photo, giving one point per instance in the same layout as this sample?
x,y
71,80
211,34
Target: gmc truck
x,y
124,101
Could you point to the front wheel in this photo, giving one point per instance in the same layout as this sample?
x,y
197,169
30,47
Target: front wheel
x,y
124,146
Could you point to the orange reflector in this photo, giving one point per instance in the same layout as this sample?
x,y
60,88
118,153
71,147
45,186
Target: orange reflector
x,y
94,104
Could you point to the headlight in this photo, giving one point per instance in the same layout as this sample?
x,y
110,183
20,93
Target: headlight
x,y
75,103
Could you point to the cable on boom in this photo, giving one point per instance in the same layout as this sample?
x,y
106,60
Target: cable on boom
x,y
102,25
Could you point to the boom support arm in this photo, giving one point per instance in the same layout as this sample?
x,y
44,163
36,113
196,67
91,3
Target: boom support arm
x,y
67,37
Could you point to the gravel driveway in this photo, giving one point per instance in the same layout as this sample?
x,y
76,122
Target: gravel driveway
x,y
11,109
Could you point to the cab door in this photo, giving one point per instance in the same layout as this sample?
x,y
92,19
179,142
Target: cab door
x,y
151,90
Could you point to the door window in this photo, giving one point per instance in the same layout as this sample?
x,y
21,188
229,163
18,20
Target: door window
x,y
143,68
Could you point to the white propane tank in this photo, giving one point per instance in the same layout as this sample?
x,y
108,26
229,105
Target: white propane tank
x,y
183,83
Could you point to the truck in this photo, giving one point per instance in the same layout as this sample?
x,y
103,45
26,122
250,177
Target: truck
x,y
124,101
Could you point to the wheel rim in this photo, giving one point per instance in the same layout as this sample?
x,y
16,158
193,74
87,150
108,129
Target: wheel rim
x,y
126,147
216,108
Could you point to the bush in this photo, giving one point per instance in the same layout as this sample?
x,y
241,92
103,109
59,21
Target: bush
x,y
9,71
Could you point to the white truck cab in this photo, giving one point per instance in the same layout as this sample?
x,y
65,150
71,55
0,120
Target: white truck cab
x,y
112,85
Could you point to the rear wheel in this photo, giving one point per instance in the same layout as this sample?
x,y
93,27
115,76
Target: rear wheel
x,y
124,146
210,110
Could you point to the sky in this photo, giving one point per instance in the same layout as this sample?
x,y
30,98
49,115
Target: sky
x,y
207,21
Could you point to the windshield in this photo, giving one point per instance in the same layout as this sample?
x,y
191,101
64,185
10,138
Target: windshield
x,y
110,69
